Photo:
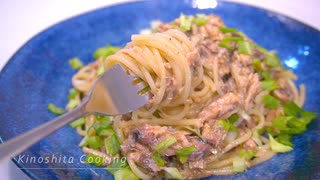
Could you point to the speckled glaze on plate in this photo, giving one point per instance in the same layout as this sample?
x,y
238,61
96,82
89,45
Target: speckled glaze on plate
x,y
39,74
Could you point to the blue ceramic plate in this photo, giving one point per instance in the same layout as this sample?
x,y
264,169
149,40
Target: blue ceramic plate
x,y
39,74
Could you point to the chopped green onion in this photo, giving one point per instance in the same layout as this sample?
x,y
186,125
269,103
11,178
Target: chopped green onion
x,y
280,123
100,70
292,109
240,34
244,47
233,39
278,147
94,142
308,116
116,165
295,122
83,142
185,22
74,99
73,93
73,103
77,123
261,49
247,154
184,152
162,146
238,164
297,125
272,60
102,118
54,109
172,173
144,90
75,63
106,132
93,159
257,65
158,159
200,19
233,118
284,139
270,101
226,125
98,127
105,51
227,30
104,121
269,85
113,145
124,174
266,75
227,40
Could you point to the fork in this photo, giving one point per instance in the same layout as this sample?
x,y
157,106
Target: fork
x,y
112,94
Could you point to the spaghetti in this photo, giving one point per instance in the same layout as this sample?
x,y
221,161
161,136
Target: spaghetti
x,y
214,94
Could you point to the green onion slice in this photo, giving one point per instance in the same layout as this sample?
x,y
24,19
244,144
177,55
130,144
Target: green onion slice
x,y
116,164
172,173
100,70
78,122
73,93
73,103
184,152
238,164
105,51
75,63
257,65
113,145
226,125
272,61
244,47
93,159
247,154
270,102
95,142
162,146
227,29
269,85
292,109
106,132
185,22
233,118
284,139
125,174
158,159
55,109
227,41
278,147
200,19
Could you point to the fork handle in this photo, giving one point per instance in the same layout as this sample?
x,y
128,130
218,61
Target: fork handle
x,y
18,144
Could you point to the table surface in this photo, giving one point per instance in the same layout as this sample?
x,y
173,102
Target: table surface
x,y
20,22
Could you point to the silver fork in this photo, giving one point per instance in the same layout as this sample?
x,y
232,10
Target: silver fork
x,y
112,94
